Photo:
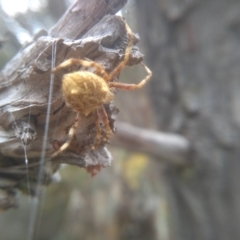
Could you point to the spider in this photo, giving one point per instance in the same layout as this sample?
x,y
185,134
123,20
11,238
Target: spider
x,y
85,92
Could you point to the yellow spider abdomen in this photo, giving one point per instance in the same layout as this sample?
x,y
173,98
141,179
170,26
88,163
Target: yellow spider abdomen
x,y
85,91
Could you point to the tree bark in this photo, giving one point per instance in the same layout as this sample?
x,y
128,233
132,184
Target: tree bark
x,y
193,50
86,30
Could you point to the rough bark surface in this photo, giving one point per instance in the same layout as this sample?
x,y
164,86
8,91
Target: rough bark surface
x,y
24,95
193,51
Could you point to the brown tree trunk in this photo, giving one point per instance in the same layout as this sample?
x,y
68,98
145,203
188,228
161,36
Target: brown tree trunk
x,y
193,50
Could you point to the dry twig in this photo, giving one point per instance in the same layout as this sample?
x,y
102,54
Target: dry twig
x,y
170,147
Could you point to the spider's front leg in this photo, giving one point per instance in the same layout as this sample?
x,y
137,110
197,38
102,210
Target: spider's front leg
x,y
79,62
128,86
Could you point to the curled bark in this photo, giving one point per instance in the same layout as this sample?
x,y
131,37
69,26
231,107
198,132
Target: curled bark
x,y
25,88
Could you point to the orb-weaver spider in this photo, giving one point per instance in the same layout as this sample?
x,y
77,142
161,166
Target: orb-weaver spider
x,y
86,92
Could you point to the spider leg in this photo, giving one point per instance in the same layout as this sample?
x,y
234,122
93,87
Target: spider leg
x,y
70,137
127,86
98,130
106,123
79,62
121,65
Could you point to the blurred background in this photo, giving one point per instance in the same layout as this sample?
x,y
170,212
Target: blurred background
x,y
192,48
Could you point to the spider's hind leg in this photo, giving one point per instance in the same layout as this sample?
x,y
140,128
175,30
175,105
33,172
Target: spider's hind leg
x,y
98,135
108,130
70,137
101,115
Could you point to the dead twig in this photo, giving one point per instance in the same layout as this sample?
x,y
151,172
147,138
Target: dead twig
x,y
170,147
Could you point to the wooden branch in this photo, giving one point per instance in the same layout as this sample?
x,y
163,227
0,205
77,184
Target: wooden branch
x,y
24,92
170,147
82,16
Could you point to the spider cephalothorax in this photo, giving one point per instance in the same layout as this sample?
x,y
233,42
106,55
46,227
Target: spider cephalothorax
x,y
85,92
